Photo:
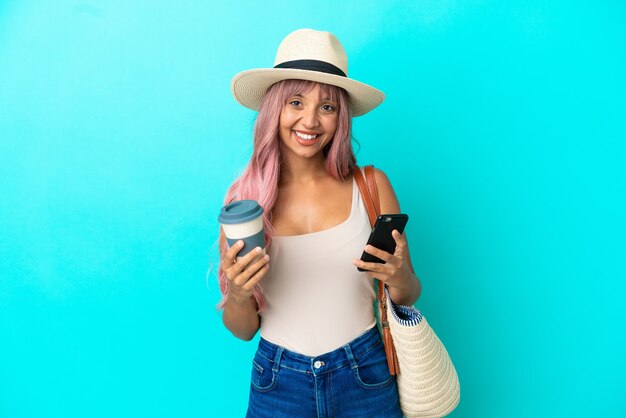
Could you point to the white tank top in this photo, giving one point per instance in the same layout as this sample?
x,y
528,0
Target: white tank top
x,y
317,300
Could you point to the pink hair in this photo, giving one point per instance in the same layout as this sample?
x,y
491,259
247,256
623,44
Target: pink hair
x,y
259,180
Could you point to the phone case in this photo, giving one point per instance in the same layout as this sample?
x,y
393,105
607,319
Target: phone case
x,y
381,237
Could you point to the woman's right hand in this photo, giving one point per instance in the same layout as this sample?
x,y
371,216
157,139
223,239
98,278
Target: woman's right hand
x,y
245,273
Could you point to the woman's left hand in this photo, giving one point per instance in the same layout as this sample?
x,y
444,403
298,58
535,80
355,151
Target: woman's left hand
x,y
395,272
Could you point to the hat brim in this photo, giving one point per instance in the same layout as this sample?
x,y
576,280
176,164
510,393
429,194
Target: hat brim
x,y
249,87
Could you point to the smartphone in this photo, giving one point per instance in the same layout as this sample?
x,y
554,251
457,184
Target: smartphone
x,y
381,237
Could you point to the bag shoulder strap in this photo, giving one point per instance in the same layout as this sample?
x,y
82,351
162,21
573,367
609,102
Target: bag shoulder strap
x,y
371,205
370,179
369,193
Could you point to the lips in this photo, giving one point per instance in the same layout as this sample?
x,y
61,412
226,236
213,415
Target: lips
x,y
306,138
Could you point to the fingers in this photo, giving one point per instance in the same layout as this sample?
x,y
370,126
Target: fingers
x,y
383,255
374,267
251,270
231,253
392,270
400,242
391,262
256,278
374,270
370,267
231,267
394,259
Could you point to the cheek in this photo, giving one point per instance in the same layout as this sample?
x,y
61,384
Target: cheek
x,y
284,117
331,126
284,126
284,134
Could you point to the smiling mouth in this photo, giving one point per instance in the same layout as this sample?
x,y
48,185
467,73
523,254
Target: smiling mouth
x,y
306,136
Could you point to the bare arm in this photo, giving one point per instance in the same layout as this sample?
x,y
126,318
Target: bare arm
x,y
241,318
404,286
240,311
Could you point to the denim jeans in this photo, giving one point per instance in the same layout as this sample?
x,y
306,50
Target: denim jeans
x,y
351,381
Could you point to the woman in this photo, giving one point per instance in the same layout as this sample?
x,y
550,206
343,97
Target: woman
x,y
320,353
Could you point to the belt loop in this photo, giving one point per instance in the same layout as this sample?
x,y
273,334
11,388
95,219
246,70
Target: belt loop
x,y
279,353
350,356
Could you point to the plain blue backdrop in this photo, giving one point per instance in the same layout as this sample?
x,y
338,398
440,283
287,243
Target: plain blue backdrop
x,y
503,134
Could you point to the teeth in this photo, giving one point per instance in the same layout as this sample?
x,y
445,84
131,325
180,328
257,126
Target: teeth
x,y
303,136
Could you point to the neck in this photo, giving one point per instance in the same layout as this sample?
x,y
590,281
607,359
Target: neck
x,y
303,170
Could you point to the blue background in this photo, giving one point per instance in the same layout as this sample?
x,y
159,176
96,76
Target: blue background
x,y
502,132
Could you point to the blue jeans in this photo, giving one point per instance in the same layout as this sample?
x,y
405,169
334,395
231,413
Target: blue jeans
x,y
351,381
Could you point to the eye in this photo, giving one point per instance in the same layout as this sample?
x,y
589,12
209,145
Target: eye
x,y
328,108
295,102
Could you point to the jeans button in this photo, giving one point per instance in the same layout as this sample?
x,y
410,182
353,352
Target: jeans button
x,y
318,364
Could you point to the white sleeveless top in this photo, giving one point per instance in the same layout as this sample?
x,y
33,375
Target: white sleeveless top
x,y
317,300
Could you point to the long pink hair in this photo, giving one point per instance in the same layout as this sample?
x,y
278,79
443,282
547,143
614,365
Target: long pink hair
x,y
259,180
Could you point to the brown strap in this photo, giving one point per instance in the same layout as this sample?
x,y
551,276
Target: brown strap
x,y
370,179
372,213
369,193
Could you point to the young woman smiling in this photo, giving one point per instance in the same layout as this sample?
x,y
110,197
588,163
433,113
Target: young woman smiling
x,y
320,353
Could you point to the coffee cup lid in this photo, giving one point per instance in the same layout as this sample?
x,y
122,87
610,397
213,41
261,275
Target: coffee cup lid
x,y
240,211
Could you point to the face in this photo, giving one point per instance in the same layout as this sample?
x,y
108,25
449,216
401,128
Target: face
x,y
307,123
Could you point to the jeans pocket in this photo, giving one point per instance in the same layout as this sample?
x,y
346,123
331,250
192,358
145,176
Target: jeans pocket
x,y
263,378
372,371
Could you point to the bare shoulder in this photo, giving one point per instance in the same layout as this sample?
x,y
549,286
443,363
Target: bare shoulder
x,y
388,199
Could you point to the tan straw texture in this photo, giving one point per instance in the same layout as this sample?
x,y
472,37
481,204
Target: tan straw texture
x,y
427,380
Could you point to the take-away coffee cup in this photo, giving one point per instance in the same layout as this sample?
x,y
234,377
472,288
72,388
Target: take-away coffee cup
x,y
243,220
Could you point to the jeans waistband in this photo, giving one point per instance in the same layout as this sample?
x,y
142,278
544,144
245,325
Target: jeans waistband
x,y
346,354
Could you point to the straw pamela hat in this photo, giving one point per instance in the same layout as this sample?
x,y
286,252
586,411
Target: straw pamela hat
x,y
306,54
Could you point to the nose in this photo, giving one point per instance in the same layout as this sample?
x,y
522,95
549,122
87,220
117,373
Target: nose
x,y
310,118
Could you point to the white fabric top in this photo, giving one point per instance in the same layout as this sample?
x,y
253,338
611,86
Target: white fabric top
x,y
317,300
